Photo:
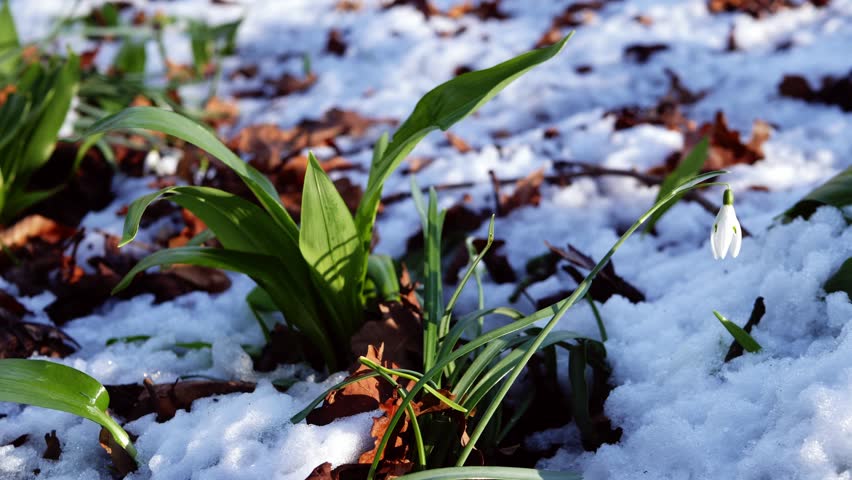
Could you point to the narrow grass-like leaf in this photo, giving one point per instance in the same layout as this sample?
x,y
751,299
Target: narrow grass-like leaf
x,y
689,167
441,107
329,243
579,390
433,294
58,387
741,336
42,140
381,271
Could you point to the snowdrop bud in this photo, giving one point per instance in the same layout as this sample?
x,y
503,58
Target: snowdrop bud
x,y
726,233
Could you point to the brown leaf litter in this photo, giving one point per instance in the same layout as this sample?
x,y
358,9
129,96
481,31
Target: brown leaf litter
x,y
832,90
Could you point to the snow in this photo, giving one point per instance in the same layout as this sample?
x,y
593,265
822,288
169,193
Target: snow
x,y
783,413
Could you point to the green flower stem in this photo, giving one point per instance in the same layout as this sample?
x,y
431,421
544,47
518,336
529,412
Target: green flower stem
x,y
581,290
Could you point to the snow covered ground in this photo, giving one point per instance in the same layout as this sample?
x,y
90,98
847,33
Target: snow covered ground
x,y
783,413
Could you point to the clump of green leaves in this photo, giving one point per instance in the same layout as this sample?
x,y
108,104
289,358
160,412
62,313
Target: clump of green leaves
x,y
35,101
314,273
479,372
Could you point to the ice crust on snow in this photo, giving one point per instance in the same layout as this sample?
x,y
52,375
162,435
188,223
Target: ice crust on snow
x,y
783,413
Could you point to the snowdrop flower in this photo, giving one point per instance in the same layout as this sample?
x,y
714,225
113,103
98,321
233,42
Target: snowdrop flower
x,y
726,229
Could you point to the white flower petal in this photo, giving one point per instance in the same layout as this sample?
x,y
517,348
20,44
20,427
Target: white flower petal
x,y
713,242
737,241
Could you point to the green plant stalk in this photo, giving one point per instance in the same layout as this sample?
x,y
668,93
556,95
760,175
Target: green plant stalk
x,y
568,303
412,415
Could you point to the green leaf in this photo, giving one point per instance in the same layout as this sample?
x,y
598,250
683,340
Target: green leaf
x,y
130,59
836,192
690,166
170,123
441,107
8,41
841,281
490,473
266,270
741,336
55,386
42,140
329,243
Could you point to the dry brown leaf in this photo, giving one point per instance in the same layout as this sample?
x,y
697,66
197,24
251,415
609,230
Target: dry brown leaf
x,y
358,397
34,226
833,90
335,44
527,192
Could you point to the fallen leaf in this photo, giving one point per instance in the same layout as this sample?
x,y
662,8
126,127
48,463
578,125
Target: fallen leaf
x,y
34,226
484,10
123,463
641,53
335,43
134,401
362,396
218,112
399,328
758,8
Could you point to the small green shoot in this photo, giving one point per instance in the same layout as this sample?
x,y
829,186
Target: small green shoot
x,y
741,336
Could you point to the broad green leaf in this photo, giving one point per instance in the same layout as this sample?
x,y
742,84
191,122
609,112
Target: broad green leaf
x,y
130,59
266,270
237,223
836,192
490,473
329,243
42,141
741,336
58,387
841,281
690,166
8,41
170,123
441,107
